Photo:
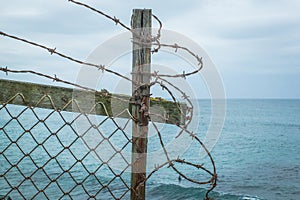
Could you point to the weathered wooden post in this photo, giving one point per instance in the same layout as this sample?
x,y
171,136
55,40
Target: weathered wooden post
x,y
141,25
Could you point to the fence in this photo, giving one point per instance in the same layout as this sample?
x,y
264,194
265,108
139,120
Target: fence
x,y
54,145
43,154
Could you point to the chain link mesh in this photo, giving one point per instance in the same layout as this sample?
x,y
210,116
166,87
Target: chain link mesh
x,y
44,154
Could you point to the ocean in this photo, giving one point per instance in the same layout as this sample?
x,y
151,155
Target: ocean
x,y
258,153
257,156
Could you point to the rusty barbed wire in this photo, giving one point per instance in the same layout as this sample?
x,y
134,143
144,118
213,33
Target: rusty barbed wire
x,y
53,78
54,51
102,67
56,79
155,40
190,107
157,37
114,19
159,79
146,41
59,80
170,162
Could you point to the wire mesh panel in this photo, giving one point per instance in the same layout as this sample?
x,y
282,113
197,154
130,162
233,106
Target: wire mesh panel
x,y
51,153
54,154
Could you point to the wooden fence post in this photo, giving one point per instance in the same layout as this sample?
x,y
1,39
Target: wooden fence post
x,y
141,25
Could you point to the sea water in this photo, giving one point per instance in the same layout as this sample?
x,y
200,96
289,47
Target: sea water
x,y
258,153
257,156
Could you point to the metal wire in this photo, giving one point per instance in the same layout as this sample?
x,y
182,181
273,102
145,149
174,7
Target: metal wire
x,y
46,178
83,185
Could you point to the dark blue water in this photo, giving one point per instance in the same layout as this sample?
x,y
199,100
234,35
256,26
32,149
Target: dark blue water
x,y
258,153
257,156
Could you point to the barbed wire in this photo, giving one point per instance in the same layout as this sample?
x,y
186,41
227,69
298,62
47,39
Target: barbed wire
x,y
170,162
53,78
54,51
159,79
114,19
103,68
154,40
56,79
117,21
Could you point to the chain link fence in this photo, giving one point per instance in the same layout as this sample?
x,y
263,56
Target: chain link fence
x,y
50,153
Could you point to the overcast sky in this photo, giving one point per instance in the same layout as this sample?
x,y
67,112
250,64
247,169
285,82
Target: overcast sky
x,y
255,44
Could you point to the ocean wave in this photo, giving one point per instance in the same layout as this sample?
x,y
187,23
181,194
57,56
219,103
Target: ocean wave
x,y
178,192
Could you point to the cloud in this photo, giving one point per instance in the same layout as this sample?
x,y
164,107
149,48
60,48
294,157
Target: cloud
x,y
243,38
245,33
